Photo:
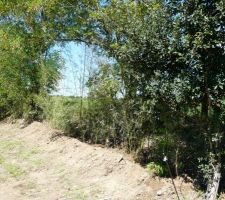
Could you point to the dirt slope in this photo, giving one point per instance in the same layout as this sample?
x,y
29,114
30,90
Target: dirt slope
x,y
38,163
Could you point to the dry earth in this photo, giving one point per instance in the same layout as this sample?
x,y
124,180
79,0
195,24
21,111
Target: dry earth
x,y
38,163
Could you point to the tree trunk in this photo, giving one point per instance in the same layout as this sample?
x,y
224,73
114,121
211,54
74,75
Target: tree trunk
x,y
213,185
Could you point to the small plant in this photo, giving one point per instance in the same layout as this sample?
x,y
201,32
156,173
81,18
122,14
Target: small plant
x,y
30,185
13,170
76,195
63,113
2,160
155,169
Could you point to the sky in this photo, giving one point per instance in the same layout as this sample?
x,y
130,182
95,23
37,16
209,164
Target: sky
x,y
78,64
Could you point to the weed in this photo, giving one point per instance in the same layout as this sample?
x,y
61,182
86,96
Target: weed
x,y
13,170
155,169
76,195
30,185
28,154
37,162
2,160
3,179
9,145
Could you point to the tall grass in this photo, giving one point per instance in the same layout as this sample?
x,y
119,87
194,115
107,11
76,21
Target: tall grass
x,y
63,113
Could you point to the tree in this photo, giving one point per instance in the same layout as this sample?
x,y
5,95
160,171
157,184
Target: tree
x,y
28,69
202,28
181,41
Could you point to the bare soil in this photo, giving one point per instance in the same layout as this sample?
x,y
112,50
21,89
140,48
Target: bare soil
x,y
38,162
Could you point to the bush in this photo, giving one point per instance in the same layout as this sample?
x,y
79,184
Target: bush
x,y
63,113
156,169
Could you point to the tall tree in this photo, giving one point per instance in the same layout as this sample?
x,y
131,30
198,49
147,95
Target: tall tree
x,y
202,29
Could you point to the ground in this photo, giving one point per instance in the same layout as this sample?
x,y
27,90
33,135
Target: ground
x,y
38,162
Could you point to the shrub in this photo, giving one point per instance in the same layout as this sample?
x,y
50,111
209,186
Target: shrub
x,y
63,113
156,169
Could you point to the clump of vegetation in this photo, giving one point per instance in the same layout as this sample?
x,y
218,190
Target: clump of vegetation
x,y
63,113
155,169
13,170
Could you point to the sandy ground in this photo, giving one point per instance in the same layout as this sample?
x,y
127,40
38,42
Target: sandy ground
x,y
38,163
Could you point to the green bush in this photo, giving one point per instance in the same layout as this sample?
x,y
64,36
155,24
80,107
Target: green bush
x,y
156,169
63,113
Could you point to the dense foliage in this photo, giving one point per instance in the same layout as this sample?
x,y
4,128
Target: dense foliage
x,y
28,69
163,92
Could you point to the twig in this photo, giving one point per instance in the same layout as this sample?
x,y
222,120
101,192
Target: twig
x,y
165,159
